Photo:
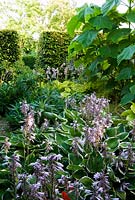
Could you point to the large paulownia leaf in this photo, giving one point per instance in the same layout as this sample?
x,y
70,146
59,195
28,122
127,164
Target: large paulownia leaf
x,y
127,98
73,25
94,64
86,38
101,22
109,5
78,19
109,51
125,73
131,16
132,89
126,54
87,13
116,35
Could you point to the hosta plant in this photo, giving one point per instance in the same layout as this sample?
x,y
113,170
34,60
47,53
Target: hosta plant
x,y
80,154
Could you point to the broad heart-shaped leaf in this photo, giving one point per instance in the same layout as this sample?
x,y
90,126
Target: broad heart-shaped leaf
x,y
101,22
78,174
111,132
131,16
118,34
73,24
74,167
109,5
127,98
125,73
95,162
87,13
126,54
93,65
121,195
86,181
75,159
122,136
132,89
109,51
86,38
112,142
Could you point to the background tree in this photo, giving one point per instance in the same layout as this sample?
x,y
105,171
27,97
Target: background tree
x,y
58,13
33,16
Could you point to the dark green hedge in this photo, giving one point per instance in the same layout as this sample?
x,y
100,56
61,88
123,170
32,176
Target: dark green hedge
x,y
53,49
9,46
29,60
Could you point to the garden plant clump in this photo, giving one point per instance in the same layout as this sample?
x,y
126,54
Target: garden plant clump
x,y
67,136
78,153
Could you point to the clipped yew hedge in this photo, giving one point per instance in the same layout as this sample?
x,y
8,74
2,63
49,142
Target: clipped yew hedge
x,y
53,49
9,46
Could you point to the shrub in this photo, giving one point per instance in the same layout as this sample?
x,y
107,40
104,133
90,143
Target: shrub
x,y
29,60
107,47
52,49
9,46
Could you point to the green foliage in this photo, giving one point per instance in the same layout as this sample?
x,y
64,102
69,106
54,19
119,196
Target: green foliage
x,y
9,46
29,60
69,88
106,48
109,5
63,132
58,14
52,49
22,85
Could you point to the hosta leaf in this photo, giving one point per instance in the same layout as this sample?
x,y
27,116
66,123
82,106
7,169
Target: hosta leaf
x,y
95,162
101,22
125,73
112,175
131,16
75,159
86,38
124,145
123,136
112,142
111,132
74,167
131,185
116,35
86,181
109,5
121,195
126,54
78,174
60,138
